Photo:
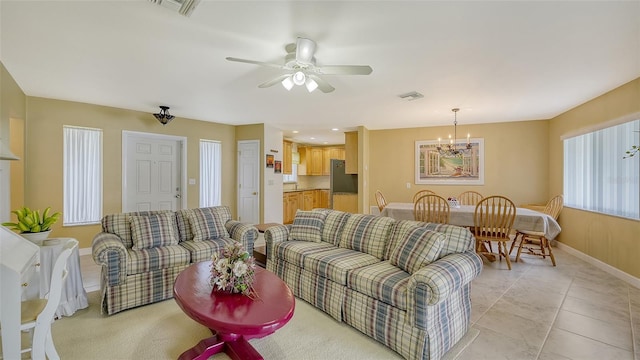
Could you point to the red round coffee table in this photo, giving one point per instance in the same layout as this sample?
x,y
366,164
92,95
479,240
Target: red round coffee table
x,y
233,318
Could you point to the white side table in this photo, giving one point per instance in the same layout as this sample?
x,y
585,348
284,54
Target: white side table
x,y
73,297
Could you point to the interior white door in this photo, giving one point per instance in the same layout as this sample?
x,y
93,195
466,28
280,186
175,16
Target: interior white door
x,y
249,181
152,174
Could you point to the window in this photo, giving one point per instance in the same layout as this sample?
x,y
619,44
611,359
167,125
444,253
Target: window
x,y
82,164
210,173
597,178
293,177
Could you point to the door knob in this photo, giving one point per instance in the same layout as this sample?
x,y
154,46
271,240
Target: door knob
x,y
178,196
255,193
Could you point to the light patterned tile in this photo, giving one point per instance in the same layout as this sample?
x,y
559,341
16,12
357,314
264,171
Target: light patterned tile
x,y
613,299
491,345
564,344
615,315
511,325
599,330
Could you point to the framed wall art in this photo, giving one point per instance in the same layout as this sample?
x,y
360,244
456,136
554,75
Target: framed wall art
x,y
449,164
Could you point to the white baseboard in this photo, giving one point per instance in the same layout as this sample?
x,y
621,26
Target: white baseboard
x,y
632,280
84,251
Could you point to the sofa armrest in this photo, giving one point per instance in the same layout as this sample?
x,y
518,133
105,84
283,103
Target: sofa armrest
x,y
435,282
108,251
273,235
243,233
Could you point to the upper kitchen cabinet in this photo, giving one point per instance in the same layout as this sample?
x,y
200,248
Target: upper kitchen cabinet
x,y
351,152
287,157
329,153
317,160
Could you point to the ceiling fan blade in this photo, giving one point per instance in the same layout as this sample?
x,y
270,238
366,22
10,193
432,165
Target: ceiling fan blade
x,y
344,70
272,82
305,49
324,86
255,62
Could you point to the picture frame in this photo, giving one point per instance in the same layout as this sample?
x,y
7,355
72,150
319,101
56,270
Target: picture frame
x,y
270,160
277,167
433,166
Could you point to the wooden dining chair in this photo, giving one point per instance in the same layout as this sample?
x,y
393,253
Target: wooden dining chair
x,y
493,219
469,198
536,243
431,208
380,200
420,193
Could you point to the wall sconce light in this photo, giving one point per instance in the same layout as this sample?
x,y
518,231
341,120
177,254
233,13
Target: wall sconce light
x,y
163,116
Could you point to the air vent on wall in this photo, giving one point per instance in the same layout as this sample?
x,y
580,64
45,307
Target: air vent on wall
x,y
184,7
411,96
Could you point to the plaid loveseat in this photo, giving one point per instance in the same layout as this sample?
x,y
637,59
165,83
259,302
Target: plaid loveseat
x,y
404,283
141,253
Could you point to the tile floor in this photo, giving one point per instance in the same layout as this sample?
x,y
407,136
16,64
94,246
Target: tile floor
x,y
537,311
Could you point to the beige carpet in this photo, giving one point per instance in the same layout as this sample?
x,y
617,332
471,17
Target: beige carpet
x,y
163,331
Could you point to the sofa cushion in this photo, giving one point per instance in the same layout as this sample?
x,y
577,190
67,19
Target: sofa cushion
x,y
294,252
202,250
458,239
335,264
419,248
333,226
145,260
153,231
381,281
119,224
184,227
307,226
206,224
366,233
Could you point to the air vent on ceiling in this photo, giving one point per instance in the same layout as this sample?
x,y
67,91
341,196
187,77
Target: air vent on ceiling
x,y
184,7
411,96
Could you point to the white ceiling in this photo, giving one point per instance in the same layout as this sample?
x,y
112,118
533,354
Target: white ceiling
x,y
497,61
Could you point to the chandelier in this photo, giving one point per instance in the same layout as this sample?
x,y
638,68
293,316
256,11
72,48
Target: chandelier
x,y
163,116
450,149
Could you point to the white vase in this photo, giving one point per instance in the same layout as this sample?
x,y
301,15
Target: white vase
x,y
36,238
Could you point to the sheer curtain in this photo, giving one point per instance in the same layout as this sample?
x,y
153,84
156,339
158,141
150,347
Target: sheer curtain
x,y
82,166
597,178
210,173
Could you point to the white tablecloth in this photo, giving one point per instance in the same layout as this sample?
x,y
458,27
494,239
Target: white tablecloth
x,y
73,296
526,219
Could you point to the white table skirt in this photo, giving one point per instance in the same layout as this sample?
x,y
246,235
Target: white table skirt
x,y
526,219
73,297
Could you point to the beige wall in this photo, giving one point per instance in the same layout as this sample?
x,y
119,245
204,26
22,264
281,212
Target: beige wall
x,y
613,240
44,182
13,112
516,156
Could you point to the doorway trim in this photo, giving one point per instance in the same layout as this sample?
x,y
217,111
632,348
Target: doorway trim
x,y
126,134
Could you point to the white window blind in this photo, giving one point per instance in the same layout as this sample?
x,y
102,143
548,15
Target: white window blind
x,y
210,173
82,165
597,178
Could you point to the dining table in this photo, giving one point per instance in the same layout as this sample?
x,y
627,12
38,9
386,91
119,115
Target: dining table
x,y
462,215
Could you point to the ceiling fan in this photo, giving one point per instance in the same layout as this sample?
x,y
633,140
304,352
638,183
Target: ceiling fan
x,y
301,68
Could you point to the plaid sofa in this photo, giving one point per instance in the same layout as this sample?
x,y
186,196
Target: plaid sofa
x,y
404,283
141,253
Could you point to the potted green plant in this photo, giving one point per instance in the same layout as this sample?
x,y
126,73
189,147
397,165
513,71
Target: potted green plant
x,y
32,225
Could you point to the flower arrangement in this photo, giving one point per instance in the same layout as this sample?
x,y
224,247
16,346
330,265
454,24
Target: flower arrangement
x,y
233,270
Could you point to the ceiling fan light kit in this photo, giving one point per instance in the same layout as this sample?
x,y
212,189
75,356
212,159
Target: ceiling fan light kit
x,y
301,68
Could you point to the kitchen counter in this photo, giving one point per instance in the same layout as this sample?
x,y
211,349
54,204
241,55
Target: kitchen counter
x,y
305,189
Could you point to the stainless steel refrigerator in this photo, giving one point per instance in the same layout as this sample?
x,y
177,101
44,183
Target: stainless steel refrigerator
x,y
341,182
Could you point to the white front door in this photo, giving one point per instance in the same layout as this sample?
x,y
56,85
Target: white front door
x,y
249,181
152,168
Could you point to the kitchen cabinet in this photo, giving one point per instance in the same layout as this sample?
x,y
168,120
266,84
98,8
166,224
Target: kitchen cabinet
x,y
308,200
316,161
324,199
287,159
329,153
304,167
346,202
291,203
351,152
